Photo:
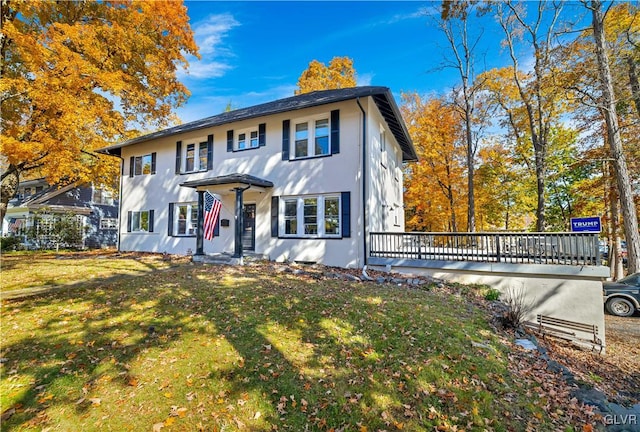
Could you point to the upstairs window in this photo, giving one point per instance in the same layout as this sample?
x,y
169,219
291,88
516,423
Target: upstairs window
x,y
383,149
194,157
311,137
246,139
102,196
142,165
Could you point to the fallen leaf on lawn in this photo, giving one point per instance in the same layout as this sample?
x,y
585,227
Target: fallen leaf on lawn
x,y
169,421
168,395
157,427
181,412
95,401
8,413
45,398
257,415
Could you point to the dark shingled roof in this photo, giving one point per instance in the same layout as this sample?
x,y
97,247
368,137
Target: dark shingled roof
x,y
246,179
381,95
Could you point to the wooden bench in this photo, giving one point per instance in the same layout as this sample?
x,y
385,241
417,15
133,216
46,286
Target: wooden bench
x,y
565,329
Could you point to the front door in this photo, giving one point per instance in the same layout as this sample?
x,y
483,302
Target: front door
x,y
249,228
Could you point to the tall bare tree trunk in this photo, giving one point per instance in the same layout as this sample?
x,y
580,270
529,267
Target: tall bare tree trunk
x,y
615,255
634,82
629,215
464,62
539,104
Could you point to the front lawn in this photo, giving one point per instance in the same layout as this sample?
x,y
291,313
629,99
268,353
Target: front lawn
x,y
28,269
216,348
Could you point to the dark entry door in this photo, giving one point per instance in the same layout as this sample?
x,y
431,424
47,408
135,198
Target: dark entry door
x,y
249,228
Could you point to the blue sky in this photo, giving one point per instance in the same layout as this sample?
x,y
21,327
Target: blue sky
x,y
254,52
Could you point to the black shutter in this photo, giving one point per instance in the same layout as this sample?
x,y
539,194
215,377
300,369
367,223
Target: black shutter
x,y
209,152
150,220
170,230
345,201
178,157
286,124
129,221
132,162
216,229
335,131
262,132
274,216
230,140
153,163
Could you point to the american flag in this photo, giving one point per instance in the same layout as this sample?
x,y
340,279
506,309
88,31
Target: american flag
x,y
14,225
212,207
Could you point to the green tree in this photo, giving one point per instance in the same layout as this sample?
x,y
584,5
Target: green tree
x,y
503,189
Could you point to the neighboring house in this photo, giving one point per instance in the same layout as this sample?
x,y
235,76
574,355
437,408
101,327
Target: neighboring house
x,y
305,178
37,205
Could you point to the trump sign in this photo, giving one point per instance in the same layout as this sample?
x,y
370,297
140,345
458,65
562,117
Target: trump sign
x,y
586,224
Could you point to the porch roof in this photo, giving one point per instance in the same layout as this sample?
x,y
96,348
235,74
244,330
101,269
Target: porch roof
x,y
229,179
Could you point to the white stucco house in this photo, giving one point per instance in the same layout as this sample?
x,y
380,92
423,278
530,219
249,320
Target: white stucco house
x,y
305,179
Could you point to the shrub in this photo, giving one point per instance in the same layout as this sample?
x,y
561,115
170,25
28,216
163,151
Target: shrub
x,y
492,294
517,308
9,243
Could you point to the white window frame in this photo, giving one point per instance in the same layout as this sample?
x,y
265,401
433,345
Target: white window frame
x,y
251,139
396,215
102,196
312,123
200,150
136,218
191,220
383,148
142,164
108,223
320,216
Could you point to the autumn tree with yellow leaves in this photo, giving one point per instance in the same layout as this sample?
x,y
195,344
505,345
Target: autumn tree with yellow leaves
x,y
77,76
435,186
318,76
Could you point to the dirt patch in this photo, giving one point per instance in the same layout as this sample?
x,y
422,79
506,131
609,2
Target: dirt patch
x,y
616,373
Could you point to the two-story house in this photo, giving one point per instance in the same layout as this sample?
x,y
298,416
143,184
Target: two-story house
x,y
305,178
32,213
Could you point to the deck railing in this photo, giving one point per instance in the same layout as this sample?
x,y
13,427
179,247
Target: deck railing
x,y
566,248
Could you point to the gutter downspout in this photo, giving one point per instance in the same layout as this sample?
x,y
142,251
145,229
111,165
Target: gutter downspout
x,y
364,183
119,196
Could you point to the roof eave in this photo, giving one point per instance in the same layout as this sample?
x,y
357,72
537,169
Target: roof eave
x,y
293,103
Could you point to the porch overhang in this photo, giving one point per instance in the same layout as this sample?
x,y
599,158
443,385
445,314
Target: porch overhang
x,y
229,183
235,183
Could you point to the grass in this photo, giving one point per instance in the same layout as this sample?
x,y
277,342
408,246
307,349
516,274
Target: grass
x,y
228,348
28,270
